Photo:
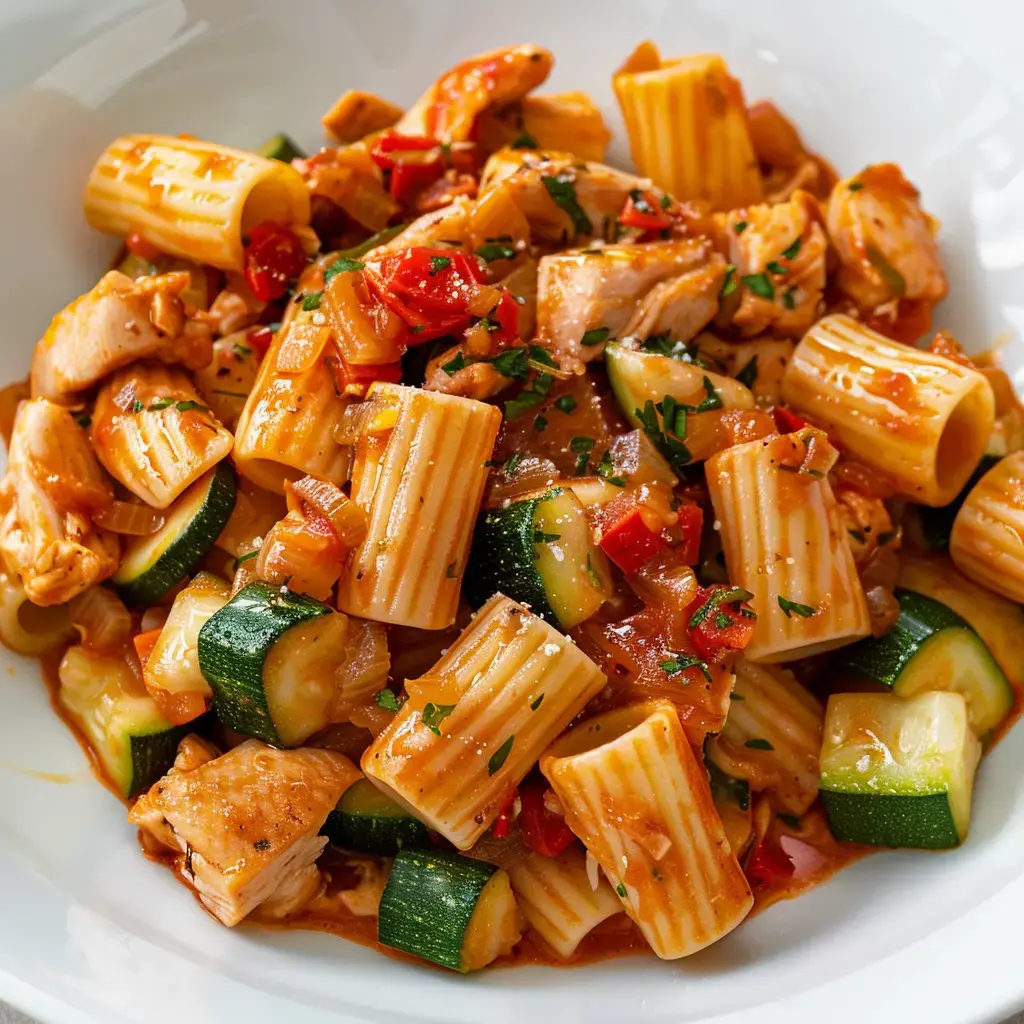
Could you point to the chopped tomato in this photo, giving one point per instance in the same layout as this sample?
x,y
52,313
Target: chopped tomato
x,y
503,822
787,421
912,319
630,543
718,622
643,210
543,831
144,644
506,313
412,162
349,376
274,258
138,245
691,523
429,288
768,864
259,339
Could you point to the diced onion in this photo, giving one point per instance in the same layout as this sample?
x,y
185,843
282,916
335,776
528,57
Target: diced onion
x,y
365,669
328,500
102,620
129,518
531,474
375,416
484,299
297,555
153,618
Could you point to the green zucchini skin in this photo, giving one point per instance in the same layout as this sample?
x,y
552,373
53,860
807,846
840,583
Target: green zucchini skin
x,y
280,147
937,523
152,755
502,559
185,550
428,902
234,644
363,822
921,822
929,629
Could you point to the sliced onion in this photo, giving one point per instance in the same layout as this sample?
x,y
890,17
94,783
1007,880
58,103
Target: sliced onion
x,y
102,620
484,299
153,618
593,871
375,416
531,474
297,555
129,518
244,575
329,501
367,662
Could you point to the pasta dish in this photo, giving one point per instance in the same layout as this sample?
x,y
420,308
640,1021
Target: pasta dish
x,y
458,543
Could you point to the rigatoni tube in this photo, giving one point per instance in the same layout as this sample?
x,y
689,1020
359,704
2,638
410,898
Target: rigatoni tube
x,y
920,419
287,428
420,482
987,542
191,198
636,795
687,127
784,543
153,434
478,721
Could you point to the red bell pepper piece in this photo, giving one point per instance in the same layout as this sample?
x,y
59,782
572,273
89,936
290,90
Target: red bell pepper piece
x,y
543,831
717,622
643,210
138,245
691,523
768,864
787,421
274,257
503,822
413,161
347,374
259,339
630,543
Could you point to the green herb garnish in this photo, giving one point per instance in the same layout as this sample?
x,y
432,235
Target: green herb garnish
x,y
582,446
855,186
434,714
525,141
711,399
595,336
791,251
740,227
791,608
540,423
729,284
160,403
732,595
342,265
748,375
760,284
566,404
387,700
562,189
312,301
621,890
606,471
681,662
492,251
439,263
453,366
500,756
536,704
756,744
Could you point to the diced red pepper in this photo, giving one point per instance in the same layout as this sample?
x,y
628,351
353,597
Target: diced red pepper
x,y
144,644
348,374
643,210
391,147
630,543
506,313
138,245
787,421
691,523
718,623
274,258
543,831
259,339
503,822
768,864
413,161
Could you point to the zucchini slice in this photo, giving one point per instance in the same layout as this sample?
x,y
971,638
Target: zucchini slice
x,y
369,821
154,565
280,147
448,909
930,647
132,740
898,772
539,552
270,657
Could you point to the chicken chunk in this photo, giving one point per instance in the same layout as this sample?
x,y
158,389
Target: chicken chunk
x,y
248,824
52,487
116,323
448,110
435,228
561,196
620,289
779,255
885,241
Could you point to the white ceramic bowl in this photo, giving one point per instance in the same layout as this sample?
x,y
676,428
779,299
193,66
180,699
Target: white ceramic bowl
x,y
88,929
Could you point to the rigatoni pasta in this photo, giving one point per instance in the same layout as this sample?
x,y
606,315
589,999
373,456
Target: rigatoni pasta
x,y
478,721
191,198
638,798
920,419
782,543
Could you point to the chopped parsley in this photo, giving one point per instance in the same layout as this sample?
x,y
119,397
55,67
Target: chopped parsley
x,y
566,404
760,284
529,397
138,406
789,298
671,447
748,375
855,186
886,537
640,202
733,695
722,621
606,470
312,301
450,572
757,744
540,537
621,890
434,714
500,756
595,336
710,400
513,464
540,423
665,202
492,251
525,141
242,559
740,227
582,446
453,366
439,263
513,362
241,350
342,265
387,700
84,421
776,267
190,406
536,704
595,576
731,595
681,662
857,535
791,608
160,403
562,189
729,284
791,251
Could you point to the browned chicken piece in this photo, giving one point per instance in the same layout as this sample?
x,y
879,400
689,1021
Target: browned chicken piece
x,y
786,163
478,380
434,228
119,321
613,290
357,114
760,363
248,824
865,521
448,110
561,196
886,243
779,255
52,486
234,307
